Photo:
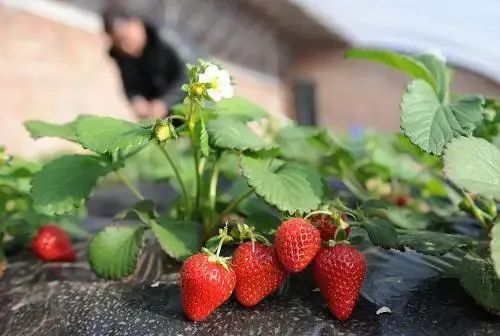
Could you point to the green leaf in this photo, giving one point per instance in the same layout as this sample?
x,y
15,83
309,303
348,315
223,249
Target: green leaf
x,y
478,278
179,239
439,72
381,233
474,164
263,222
400,166
104,134
239,108
407,219
495,247
431,243
291,187
73,227
431,124
356,240
113,252
144,210
41,129
229,133
202,137
63,184
410,65
303,144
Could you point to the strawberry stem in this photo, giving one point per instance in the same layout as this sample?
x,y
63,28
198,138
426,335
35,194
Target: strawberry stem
x,y
129,185
317,212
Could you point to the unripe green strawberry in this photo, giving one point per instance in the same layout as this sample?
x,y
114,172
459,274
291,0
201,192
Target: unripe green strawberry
x,y
297,242
205,285
258,272
163,132
339,272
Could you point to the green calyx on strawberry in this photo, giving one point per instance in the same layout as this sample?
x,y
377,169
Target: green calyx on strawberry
x,y
245,232
51,243
297,242
207,281
339,272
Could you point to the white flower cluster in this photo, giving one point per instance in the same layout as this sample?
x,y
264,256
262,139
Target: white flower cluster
x,y
219,81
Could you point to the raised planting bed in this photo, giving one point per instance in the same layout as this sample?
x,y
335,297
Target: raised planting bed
x,y
311,232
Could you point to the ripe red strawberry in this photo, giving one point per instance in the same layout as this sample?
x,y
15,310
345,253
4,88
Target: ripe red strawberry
x,y
258,273
339,272
327,225
205,285
51,243
297,242
402,200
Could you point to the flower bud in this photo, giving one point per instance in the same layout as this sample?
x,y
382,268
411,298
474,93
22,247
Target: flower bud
x,y
163,132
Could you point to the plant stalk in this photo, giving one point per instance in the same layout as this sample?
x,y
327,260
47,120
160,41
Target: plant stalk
x,y
235,203
476,212
129,185
212,194
185,194
214,179
196,156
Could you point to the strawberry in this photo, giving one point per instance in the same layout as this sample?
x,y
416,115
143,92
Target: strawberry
x,y
206,283
339,272
402,200
51,243
327,225
258,272
297,242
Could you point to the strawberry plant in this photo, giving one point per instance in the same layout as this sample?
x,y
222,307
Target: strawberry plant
x,y
213,141
461,131
18,219
231,164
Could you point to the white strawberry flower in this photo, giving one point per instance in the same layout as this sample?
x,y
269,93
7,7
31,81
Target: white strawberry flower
x,y
219,80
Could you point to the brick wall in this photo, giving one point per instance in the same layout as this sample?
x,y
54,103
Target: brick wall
x,y
51,72
355,92
54,72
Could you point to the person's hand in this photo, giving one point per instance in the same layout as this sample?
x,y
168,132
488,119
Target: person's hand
x,y
158,109
141,107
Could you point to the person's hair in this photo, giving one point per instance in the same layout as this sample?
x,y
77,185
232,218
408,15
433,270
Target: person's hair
x,y
111,14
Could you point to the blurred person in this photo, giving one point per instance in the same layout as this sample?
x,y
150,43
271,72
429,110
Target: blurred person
x,y
151,70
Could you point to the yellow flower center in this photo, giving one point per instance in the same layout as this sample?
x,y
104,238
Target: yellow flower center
x,y
215,84
197,89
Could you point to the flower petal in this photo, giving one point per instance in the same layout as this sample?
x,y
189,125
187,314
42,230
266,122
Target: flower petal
x,y
202,78
224,76
226,91
212,71
214,94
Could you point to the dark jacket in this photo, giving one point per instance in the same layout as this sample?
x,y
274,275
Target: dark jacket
x,y
157,74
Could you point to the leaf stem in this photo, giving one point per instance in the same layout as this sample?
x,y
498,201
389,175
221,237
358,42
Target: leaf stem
x,y
196,155
476,212
129,185
185,194
213,183
235,203
318,212
178,117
